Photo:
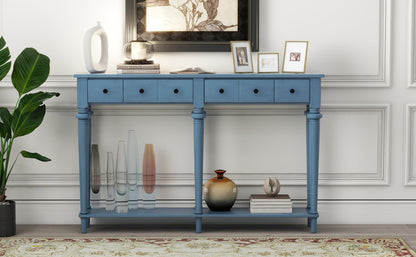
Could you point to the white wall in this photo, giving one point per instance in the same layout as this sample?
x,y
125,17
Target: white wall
x,y
365,48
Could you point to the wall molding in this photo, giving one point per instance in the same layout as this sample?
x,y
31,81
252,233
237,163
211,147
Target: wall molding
x,y
409,164
185,178
382,78
412,44
381,176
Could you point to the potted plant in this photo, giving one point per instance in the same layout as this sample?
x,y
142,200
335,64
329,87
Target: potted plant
x,y
30,70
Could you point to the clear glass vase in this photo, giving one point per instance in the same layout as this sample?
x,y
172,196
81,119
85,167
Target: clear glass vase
x,y
122,196
110,199
149,177
132,170
95,177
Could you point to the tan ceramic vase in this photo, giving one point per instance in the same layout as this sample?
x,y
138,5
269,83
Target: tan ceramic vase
x,y
220,192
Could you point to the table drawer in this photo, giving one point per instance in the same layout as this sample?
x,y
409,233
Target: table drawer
x,y
292,91
141,91
176,91
105,91
256,91
221,91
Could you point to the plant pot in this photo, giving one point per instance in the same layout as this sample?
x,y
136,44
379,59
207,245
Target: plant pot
x,y
7,218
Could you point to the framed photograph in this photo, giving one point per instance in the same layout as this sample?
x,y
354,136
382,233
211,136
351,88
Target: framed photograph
x,y
241,53
294,60
193,25
268,62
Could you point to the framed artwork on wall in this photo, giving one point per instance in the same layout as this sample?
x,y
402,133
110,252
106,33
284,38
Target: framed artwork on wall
x,y
294,60
268,62
193,25
241,53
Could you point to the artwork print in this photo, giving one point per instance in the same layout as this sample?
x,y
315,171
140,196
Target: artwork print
x,y
192,25
191,15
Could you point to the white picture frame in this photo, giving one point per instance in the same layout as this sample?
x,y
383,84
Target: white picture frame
x,y
242,60
294,60
268,62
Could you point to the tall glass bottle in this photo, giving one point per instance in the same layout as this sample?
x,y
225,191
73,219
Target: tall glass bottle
x,y
110,202
132,170
95,177
149,177
122,196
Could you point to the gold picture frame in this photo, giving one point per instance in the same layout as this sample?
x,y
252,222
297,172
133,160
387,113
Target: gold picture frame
x,y
242,59
268,62
295,56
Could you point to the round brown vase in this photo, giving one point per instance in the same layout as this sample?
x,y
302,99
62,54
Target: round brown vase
x,y
7,218
220,192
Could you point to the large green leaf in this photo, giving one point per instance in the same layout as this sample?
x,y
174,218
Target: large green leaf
x,y
30,102
30,70
5,62
36,156
5,126
25,123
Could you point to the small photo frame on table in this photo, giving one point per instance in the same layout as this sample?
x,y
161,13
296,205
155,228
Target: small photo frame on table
x,y
268,62
294,60
241,51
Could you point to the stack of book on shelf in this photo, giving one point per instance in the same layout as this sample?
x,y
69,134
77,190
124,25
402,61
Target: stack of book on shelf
x,y
152,68
270,204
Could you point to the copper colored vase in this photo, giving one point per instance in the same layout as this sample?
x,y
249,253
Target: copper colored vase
x,y
220,192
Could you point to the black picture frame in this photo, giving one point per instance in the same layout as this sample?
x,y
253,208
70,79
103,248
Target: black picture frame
x,y
248,30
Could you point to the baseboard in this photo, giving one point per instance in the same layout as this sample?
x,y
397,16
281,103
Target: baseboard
x,y
330,211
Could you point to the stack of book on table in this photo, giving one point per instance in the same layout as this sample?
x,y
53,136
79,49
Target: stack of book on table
x,y
270,204
153,68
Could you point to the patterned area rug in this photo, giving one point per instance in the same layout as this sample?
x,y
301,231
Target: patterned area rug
x,y
204,246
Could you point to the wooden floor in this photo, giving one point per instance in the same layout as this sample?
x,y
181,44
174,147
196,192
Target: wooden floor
x,y
406,232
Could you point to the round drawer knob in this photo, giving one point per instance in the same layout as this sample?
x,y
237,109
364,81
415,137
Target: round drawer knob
x,y
141,91
292,91
105,90
256,91
176,91
221,91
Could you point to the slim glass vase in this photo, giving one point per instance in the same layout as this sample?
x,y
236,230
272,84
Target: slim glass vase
x,y
132,170
149,177
122,196
110,200
95,177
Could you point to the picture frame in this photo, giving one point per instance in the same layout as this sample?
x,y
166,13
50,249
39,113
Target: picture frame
x,y
242,59
295,56
194,41
268,62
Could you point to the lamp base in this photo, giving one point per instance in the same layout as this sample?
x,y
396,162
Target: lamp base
x,y
139,62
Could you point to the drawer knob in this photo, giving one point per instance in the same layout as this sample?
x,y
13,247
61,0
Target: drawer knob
x,y
176,91
256,91
292,91
221,91
141,91
105,90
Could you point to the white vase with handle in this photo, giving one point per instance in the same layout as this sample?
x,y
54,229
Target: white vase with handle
x,y
90,64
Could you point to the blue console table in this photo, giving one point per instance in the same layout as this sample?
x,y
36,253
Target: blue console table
x,y
199,90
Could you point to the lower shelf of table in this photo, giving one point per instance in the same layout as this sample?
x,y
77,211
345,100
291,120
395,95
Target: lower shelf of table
x,y
190,213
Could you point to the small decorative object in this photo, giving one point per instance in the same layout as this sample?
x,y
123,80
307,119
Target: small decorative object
x,y
132,170
294,60
30,70
149,177
241,52
271,186
220,192
110,200
95,177
138,52
101,66
268,62
122,196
